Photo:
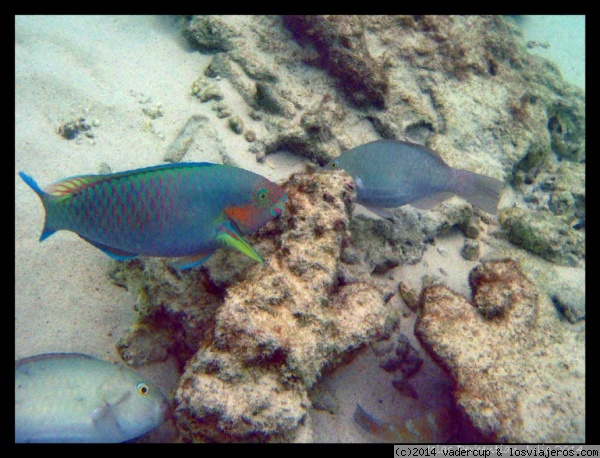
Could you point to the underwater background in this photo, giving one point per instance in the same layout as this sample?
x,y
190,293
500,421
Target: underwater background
x,y
448,310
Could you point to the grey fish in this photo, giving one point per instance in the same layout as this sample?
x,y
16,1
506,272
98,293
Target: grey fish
x,y
391,173
434,427
69,397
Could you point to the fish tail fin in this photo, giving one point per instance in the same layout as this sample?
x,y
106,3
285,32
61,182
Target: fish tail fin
x,y
366,421
479,190
46,198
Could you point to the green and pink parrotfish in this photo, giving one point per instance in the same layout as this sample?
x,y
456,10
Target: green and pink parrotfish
x,y
391,173
186,210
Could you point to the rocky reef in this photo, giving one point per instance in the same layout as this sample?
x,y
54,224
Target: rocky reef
x,y
262,335
520,373
252,340
464,85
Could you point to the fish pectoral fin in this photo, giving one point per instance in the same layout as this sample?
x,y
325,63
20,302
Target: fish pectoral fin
x,y
228,236
115,253
106,424
187,262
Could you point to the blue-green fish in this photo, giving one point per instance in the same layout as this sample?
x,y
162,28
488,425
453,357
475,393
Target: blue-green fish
x,y
181,210
434,427
390,173
68,397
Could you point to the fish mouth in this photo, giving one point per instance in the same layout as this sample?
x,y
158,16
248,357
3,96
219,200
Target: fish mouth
x,y
166,411
277,209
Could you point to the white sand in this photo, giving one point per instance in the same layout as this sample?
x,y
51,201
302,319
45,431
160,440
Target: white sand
x,y
108,69
565,37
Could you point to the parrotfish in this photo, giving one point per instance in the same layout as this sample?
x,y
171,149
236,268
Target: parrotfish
x,y
186,210
70,397
390,173
434,427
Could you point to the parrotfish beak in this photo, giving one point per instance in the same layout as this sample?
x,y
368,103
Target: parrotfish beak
x,y
277,209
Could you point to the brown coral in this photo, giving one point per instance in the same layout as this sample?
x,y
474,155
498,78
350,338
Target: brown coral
x,y
281,325
520,376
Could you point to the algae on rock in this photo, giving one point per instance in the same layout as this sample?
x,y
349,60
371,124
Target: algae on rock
x,y
543,234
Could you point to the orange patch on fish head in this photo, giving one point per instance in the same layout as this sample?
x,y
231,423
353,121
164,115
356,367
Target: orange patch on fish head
x,y
265,204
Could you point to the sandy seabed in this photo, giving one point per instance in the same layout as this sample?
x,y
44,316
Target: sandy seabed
x,y
107,69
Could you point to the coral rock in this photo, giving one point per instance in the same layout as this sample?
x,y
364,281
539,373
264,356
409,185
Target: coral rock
x,y
341,42
545,235
281,324
520,377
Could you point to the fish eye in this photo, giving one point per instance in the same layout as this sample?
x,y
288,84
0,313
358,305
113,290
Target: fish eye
x,y
142,388
333,164
261,194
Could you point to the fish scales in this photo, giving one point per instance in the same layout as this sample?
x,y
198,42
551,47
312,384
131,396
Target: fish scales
x,y
180,210
127,211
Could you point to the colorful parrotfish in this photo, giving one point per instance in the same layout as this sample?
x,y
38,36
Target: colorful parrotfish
x,y
183,210
436,426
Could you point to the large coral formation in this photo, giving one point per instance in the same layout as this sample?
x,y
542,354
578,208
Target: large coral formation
x,y
273,330
255,339
464,85
520,372
284,323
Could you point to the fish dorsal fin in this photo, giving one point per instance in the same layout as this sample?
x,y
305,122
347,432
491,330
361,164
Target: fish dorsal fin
x,y
49,356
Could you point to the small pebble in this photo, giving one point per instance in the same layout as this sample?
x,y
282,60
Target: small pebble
x,y
409,296
382,347
402,346
390,363
236,124
104,168
470,250
472,227
391,324
153,112
405,388
223,111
